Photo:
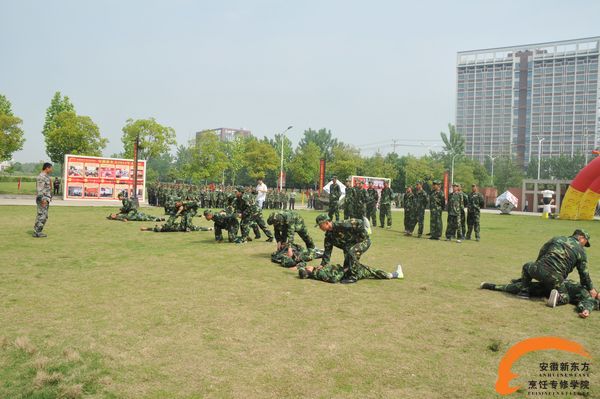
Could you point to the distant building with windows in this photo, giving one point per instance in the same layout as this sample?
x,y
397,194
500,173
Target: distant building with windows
x,y
225,134
522,99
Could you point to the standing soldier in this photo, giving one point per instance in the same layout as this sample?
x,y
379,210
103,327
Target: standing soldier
x,y
463,218
385,205
56,186
351,237
350,200
372,197
474,205
335,192
437,203
360,203
293,200
455,204
42,200
409,211
421,203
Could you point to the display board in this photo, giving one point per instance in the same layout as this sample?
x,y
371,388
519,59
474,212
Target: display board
x,y
97,178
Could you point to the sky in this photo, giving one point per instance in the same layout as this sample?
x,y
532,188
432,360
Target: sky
x,y
370,71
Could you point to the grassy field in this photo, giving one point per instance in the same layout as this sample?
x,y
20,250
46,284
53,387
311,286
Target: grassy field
x,y
27,187
99,309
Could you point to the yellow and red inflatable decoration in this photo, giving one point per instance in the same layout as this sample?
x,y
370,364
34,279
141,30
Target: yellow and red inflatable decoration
x,y
583,194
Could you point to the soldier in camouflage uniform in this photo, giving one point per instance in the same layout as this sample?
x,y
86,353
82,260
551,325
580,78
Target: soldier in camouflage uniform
x,y
410,211
463,219
286,224
372,197
251,214
335,192
299,256
223,221
385,205
335,273
349,199
475,202
455,204
421,203
577,295
556,260
437,203
42,199
351,237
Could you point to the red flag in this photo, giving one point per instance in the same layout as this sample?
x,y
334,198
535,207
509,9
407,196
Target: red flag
x,y
19,188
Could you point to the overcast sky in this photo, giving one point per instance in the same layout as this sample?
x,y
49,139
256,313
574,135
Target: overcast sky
x,y
370,71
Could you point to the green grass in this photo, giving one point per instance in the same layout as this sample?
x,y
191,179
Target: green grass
x,y
175,315
27,187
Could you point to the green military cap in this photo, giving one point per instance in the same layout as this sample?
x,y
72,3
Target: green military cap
x,y
207,212
348,179
239,189
581,232
455,184
334,177
437,182
322,218
419,182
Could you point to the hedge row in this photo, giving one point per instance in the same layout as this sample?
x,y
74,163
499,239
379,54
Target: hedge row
x,y
16,178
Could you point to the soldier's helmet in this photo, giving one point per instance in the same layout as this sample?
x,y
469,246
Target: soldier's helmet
x,y
322,218
207,212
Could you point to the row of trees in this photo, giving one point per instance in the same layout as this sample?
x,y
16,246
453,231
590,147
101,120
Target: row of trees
x,y
243,160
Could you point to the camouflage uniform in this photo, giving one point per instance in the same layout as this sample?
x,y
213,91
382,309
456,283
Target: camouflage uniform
x,y
474,205
372,196
421,203
44,193
385,206
556,260
437,203
409,212
251,215
225,221
335,192
463,219
335,273
575,293
286,224
299,256
455,204
351,237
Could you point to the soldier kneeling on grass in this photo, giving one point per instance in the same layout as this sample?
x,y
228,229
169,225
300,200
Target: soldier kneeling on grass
x,y
556,260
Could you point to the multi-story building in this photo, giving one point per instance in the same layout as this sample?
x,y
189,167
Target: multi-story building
x,y
530,99
225,134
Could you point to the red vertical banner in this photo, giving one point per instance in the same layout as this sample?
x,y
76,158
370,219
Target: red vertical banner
x,y
321,174
19,185
446,185
282,179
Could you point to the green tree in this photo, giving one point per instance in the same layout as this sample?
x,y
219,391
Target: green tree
x,y
58,104
304,168
323,139
378,166
73,134
288,148
236,155
454,143
424,168
261,159
160,168
346,161
155,139
11,134
208,159
507,173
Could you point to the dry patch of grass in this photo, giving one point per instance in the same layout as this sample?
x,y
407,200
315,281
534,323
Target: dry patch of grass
x,y
43,378
25,345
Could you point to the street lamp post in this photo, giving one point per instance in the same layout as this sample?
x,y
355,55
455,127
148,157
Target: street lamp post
x,y
492,159
452,174
281,165
540,139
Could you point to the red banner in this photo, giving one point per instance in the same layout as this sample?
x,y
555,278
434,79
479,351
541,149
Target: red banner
x,y
446,185
96,178
321,174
